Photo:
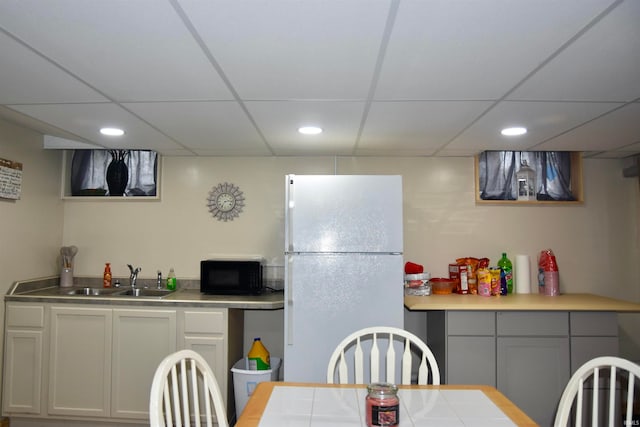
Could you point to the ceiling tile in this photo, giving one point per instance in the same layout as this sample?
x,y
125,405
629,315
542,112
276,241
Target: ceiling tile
x,y
415,127
22,81
602,65
280,120
219,128
467,49
543,120
293,49
85,120
128,50
613,131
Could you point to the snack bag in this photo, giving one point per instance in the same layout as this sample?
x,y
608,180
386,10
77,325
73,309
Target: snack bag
x,y
495,280
484,282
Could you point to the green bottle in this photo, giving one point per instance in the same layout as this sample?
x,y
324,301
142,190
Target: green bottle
x,y
506,266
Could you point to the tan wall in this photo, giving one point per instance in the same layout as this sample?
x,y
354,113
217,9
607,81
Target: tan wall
x,y
597,244
31,227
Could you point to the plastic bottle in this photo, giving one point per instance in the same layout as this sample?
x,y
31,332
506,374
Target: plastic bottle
x,y
171,280
259,359
505,265
106,277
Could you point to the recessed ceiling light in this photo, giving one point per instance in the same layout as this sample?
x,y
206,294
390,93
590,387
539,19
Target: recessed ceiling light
x,y
112,131
310,130
514,131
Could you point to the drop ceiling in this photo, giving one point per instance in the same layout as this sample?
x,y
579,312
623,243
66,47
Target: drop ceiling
x,y
381,77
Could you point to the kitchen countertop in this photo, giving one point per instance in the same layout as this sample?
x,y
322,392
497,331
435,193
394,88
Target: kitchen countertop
x,y
47,290
520,302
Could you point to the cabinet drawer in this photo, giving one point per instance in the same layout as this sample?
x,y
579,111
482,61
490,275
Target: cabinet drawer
x,y
204,322
471,323
533,323
594,323
26,316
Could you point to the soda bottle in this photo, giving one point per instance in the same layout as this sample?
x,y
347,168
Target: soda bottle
x,y
259,359
505,265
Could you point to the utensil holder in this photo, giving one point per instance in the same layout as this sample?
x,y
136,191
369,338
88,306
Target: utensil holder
x,y
66,277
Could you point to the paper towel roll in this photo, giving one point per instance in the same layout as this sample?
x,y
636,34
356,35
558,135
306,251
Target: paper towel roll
x,y
522,274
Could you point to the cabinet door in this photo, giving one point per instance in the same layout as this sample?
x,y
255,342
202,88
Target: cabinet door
x,y
23,355
471,360
23,372
532,372
80,361
141,339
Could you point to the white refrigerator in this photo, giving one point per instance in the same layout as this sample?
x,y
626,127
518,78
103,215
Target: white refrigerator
x,y
343,264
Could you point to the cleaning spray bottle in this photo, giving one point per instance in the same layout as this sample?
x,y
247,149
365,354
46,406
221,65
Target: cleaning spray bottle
x,y
171,280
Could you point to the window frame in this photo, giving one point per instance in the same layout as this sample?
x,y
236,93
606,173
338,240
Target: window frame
x,y
576,185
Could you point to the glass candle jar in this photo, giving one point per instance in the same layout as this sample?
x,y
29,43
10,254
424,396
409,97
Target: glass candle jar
x,y
382,405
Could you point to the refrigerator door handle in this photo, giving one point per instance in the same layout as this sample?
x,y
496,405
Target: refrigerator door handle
x,y
289,213
289,318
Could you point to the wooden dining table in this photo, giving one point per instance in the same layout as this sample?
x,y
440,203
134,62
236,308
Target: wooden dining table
x,y
291,404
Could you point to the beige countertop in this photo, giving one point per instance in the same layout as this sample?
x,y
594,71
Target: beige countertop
x,y
47,290
523,302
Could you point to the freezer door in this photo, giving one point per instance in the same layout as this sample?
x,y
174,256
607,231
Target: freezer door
x,y
328,297
343,213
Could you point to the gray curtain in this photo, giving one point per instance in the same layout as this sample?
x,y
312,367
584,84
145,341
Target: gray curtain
x,y
497,174
89,171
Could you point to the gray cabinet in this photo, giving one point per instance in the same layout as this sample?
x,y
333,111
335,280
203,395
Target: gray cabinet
x,y
468,340
533,360
528,355
593,334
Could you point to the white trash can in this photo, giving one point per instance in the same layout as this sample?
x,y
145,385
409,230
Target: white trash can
x,y
245,380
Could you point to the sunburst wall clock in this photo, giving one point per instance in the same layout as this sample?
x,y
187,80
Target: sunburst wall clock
x,y
225,201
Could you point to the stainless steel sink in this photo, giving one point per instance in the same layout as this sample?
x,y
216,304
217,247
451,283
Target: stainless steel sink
x,y
94,292
117,292
145,292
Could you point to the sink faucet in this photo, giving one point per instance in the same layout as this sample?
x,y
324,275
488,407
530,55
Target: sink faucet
x,y
134,275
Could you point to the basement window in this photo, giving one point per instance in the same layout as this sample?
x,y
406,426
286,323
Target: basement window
x,y
85,173
558,176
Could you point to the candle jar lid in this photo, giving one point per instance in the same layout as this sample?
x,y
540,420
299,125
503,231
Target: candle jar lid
x,y
382,390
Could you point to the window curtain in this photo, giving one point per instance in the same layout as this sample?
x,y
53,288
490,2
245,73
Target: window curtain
x,y
89,171
497,174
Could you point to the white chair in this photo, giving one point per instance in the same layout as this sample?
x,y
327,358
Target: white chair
x,y
611,375
352,348
184,391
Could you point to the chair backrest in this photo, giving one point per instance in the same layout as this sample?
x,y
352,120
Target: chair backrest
x,y
350,354
184,391
608,379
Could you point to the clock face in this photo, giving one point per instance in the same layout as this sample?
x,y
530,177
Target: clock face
x,y
225,201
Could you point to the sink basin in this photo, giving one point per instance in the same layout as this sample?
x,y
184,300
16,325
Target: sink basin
x,y
90,291
145,292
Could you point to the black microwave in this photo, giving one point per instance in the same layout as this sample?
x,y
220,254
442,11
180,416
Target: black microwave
x,y
231,277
